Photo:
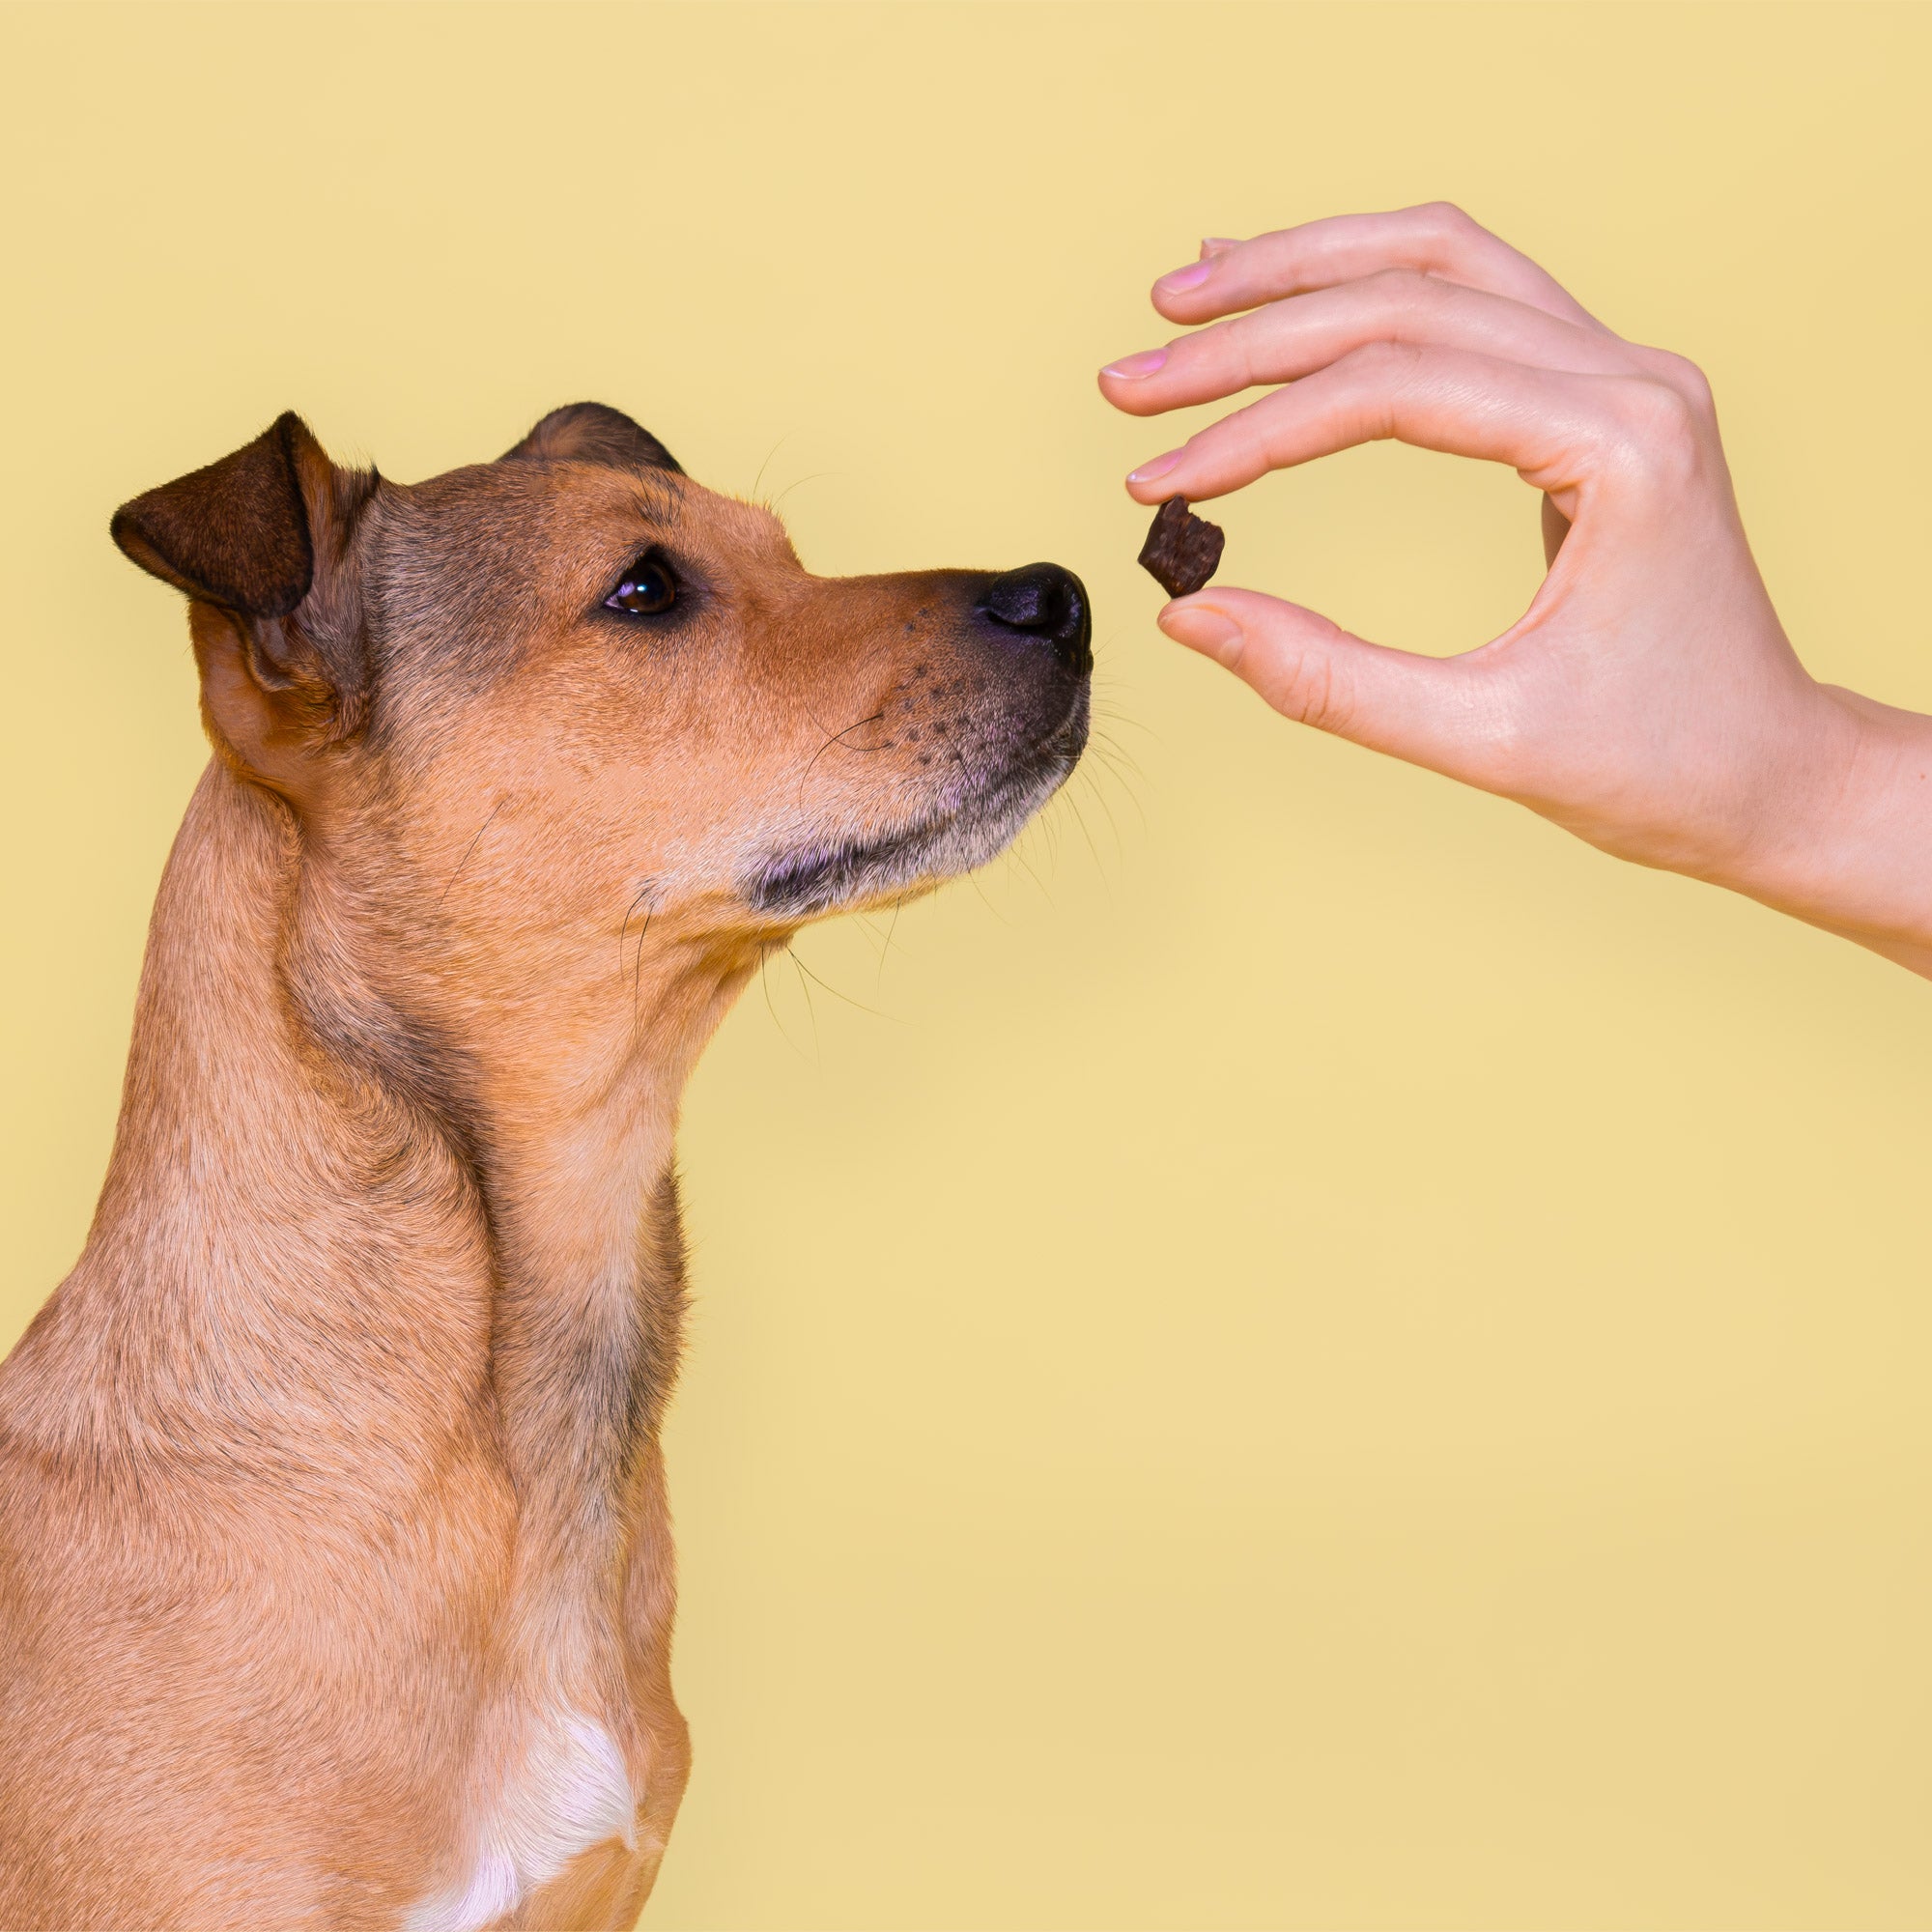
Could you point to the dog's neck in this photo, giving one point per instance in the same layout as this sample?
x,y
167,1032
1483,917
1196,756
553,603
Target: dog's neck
x,y
391,1287
304,1258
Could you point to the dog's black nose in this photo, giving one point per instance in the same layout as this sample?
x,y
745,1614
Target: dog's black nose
x,y
1047,603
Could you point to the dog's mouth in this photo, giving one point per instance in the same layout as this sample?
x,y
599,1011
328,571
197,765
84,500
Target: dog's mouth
x,y
806,881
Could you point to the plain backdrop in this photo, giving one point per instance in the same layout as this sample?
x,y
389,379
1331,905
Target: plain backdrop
x,y
1308,1351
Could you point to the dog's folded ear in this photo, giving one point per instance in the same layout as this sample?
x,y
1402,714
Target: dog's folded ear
x,y
236,533
593,433
261,543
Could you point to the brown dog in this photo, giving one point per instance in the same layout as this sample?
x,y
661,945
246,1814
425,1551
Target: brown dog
x,y
335,1581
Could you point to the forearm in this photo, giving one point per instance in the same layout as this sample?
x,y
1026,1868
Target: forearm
x,y
1850,847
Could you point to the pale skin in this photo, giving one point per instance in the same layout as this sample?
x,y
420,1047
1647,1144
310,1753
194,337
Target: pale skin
x,y
1648,699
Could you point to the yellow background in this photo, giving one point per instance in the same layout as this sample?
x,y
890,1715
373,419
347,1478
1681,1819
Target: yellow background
x,y
1311,1353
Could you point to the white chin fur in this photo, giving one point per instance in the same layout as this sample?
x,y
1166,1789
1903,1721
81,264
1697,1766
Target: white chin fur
x,y
894,866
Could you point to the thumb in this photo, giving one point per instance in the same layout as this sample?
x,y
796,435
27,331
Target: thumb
x,y
1438,712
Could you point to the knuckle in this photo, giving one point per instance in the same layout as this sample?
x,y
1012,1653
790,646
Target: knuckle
x,y
1657,430
1237,344
1687,380
1380,361
1402,286
1371,379
1446,218
1658,408
1251,430
1307,689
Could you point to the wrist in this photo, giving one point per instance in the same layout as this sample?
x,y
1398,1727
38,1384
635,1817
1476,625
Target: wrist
x,y
1840,831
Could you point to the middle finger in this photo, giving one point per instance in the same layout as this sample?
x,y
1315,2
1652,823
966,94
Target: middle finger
x,y
1299,334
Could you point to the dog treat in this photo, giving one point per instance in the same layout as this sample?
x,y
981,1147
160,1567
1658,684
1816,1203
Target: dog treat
x,y
1182,552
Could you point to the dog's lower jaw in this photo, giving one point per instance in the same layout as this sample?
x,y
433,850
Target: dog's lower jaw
x,y
379,1441
809,881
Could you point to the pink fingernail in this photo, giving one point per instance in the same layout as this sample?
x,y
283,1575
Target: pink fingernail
x,y
1182,280
1201,628
1142,364
1159,466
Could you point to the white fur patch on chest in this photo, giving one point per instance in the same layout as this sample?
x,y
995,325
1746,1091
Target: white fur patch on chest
x,y
569,1791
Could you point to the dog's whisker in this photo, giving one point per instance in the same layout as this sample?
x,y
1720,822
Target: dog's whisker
x,y
973,879
1025,864
766,465
817,979
818,1048
878,989
1079,819
470,848
817,476
642,893
1099,798
832,738
764,982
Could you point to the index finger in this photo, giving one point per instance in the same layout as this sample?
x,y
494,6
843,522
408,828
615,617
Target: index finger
x,y
1436,238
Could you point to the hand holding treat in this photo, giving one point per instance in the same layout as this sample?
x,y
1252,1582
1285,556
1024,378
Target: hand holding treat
x,y
1648,699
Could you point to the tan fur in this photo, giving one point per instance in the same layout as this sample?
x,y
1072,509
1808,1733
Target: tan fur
x,y
331,1474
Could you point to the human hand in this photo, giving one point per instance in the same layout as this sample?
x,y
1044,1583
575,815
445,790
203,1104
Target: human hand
x,y
1648,699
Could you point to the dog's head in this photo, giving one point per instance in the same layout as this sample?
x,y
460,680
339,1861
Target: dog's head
x,y
572,689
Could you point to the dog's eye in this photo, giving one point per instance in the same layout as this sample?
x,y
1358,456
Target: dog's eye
x,y
649,587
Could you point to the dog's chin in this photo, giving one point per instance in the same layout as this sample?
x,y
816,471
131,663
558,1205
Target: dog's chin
x,y
807,882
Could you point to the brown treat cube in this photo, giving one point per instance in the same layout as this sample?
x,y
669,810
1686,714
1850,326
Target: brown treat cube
x,y
1182,552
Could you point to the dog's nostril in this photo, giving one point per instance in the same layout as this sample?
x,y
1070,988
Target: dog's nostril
x,y
1033,599
1029,600
1046,602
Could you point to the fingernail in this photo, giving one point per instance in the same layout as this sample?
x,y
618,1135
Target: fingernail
x,y
1190,277
1217,245
1134,366
1200,627
1159,466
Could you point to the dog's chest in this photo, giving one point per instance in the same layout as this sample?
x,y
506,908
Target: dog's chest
x,y
564,1790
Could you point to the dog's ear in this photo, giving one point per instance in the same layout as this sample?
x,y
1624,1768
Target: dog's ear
x,y
593,433
236,533
260,542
